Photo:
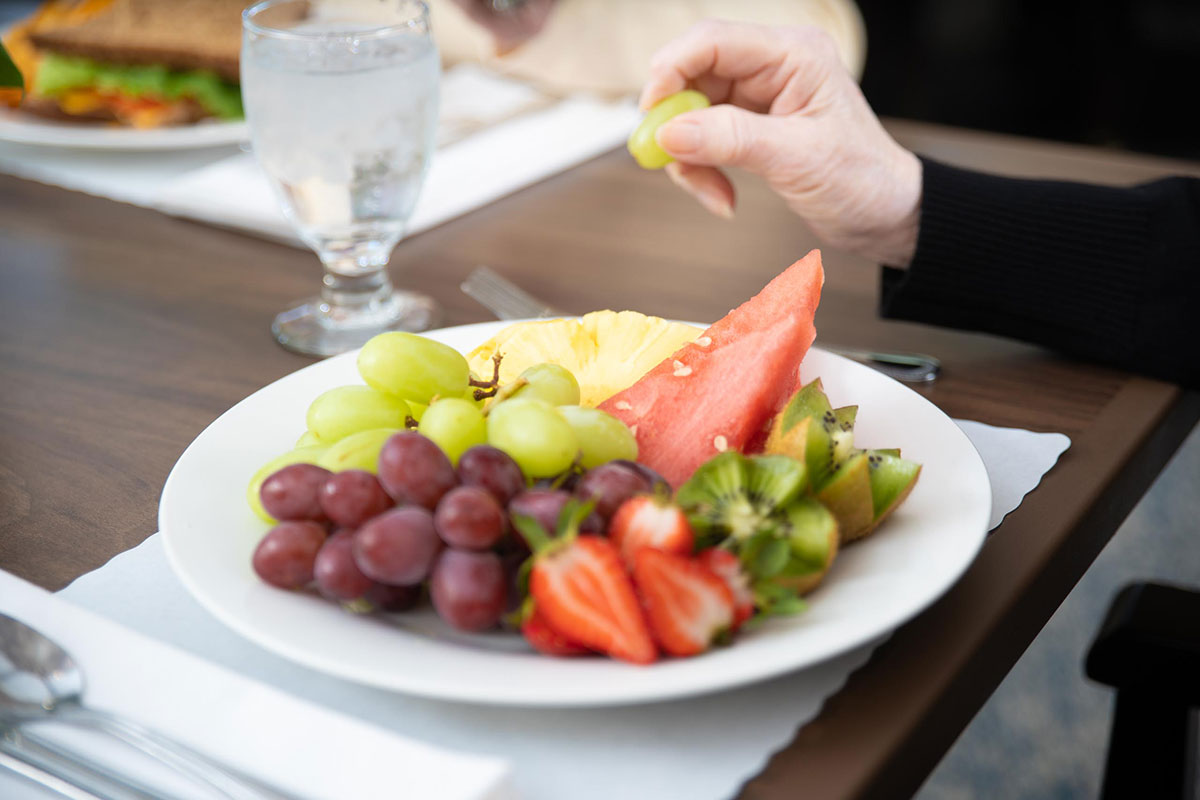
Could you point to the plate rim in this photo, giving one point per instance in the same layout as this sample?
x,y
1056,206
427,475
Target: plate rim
x,y
22,128
484,693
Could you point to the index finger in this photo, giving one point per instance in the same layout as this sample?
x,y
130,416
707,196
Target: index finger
x,y
724,51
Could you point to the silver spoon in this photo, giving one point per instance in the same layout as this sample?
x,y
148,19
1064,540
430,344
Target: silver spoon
x,y
39,681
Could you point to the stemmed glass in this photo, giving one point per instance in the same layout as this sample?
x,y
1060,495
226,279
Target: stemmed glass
x,y
342,97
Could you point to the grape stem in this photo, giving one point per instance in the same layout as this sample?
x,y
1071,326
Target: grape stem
x,y
488,388
410,422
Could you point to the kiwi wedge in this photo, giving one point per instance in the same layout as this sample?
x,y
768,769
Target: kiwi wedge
x,y
892,478
847,495
813,537
809,428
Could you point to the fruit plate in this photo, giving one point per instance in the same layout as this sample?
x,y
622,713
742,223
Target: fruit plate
x,y
874,586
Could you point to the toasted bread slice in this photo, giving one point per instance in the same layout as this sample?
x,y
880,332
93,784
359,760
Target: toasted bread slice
x,y
177,34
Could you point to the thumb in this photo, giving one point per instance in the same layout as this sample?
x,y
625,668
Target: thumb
x,y
724,136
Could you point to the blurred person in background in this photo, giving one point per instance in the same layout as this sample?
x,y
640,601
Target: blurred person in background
x,y
605,46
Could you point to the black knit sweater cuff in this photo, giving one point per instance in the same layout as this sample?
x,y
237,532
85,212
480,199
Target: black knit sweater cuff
x,y
1049,262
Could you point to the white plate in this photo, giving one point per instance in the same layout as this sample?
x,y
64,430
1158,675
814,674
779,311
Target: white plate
x,y
24,128
874,586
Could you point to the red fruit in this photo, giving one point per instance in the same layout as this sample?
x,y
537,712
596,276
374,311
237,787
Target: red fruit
x,y
647,521
584,593
721,391
547,640
726,566
286,555
687,606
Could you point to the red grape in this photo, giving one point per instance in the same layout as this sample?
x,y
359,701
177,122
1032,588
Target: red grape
x,y
609,485
292,492
545,506
648,473
414,470
469,517
338,576
352,497
286,555
385,597
493,469
398,546
469,589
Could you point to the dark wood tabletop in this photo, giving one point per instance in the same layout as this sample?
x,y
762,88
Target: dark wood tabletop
x,y
123,333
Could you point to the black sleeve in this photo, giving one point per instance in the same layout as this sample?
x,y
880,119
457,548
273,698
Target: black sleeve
x,y
1102,273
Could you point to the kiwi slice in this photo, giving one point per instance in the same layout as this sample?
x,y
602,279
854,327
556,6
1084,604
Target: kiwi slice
x,y
891,479
732,495
813,536
847,495
809,428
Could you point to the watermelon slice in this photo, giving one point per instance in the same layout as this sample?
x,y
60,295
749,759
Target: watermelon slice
x,y
721,391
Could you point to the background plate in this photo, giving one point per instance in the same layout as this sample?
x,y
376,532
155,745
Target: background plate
x,y
24,128
874,586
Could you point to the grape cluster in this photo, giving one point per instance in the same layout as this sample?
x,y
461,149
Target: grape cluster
x,y
378,542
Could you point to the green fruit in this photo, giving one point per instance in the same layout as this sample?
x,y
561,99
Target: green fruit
x,y
301,455
534,434
413,367
847,495
309,439
732,496
601,436
454,425
339,412
809,428
891,478
356,451
813,537
549,383
642,145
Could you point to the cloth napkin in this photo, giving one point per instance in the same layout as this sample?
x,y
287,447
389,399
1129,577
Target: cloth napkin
x,y
495,135
293,744
702,747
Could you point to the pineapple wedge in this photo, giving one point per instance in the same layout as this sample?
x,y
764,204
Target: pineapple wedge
x,y
606,351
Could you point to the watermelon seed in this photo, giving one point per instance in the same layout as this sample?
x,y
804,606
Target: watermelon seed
x,y
682,370
721,443
623,405
704,341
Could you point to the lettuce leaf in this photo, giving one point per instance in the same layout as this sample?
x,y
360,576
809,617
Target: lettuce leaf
x,y
57,74
10,76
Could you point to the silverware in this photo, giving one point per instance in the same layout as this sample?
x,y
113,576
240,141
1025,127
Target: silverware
x,y
66,773
39,681
508,301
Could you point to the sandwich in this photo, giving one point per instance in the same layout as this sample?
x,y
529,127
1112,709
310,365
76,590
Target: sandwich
x,y
140,63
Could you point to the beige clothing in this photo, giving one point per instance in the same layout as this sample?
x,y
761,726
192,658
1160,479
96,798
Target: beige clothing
x,y
605,45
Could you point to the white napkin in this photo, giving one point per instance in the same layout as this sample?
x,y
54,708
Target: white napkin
x,y
703,747
495,135
463,176
295,745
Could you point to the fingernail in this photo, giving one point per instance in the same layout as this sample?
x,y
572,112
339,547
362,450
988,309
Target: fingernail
x,y
680,136
716,204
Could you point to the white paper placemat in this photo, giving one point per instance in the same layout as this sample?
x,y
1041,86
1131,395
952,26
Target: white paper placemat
x,y
703,747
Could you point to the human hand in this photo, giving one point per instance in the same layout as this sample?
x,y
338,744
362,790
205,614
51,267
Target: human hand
x,y
510,22
791,114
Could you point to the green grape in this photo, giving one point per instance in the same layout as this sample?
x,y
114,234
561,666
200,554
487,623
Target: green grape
x,y
536,436
301,455
356,451
602,437
549,383
454,425
340,412
413,367
641,144
309,439
416,409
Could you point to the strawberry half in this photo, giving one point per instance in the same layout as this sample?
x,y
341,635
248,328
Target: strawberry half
x,y
583,591
547,640
687,606
726,566
650,521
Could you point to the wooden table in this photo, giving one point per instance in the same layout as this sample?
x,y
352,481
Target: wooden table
x,y
123,333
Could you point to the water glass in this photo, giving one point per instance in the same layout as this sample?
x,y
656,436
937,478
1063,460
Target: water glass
x,y
342,99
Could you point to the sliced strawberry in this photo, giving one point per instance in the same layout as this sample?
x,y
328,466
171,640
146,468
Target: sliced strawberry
x,y
726,566
585,594
649,521
687,606
547,640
